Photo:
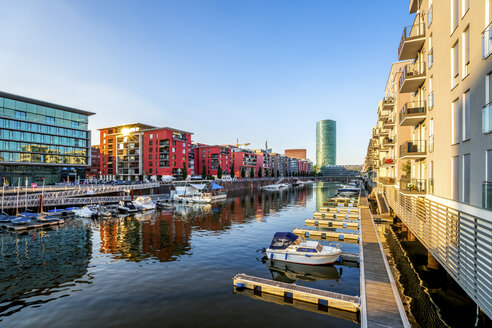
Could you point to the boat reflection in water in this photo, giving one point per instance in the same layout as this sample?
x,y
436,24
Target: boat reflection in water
x,y
41,266
292,272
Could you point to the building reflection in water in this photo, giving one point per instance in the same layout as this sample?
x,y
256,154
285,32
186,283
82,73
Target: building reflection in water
x,y
166,235
38,265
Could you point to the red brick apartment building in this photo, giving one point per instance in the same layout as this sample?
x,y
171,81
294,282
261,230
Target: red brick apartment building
x,y
212,157
134,151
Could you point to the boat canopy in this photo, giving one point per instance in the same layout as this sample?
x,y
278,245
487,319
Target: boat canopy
x,y
198,186
216,186
282,240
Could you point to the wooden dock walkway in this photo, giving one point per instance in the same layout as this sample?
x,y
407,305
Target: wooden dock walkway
x,y
381,305
300,293
327,223
308,233
347,210
31,225
338,216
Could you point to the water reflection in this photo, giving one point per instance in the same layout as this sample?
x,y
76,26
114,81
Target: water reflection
x,y
293,272
166,235
37,266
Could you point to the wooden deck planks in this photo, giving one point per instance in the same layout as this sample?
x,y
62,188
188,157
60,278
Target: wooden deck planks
x,y
381,303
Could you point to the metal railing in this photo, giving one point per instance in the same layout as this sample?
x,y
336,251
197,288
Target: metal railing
x,y
416,186
411,70
412,108
416,147
411,32
387,180
458,240
487,118
487,41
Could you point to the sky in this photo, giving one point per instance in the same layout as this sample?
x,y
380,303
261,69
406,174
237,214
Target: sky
x,y
253,70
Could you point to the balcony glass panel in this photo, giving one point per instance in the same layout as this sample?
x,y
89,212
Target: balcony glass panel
x,y
429,17
416,186
430,100
487,41
487,195
487,118
412,148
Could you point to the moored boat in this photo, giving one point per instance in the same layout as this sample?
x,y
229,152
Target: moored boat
x,y
288,247
127,206
144,203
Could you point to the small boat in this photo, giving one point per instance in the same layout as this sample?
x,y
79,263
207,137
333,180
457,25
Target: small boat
x,y
86,212
46,218
20,220
288,247
144,204
127,206
5,218
29,215
349,189
298,183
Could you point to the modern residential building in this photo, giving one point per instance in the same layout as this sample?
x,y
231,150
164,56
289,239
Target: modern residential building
x,y
93,171
432,147
211,158
296,153
40,140
137,151
244,159
326,143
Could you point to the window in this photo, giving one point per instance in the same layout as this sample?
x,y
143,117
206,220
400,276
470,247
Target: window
x,y
150,143
430,97
488,165
150,163
455,122
150,156
431,135
455,177
184,151
454,65
429,14
174,149
150,171
454,14
151,136
465,43
466,115
487,109
465,197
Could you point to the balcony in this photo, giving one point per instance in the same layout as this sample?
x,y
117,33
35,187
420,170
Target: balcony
x,y
413,149
487,118
411,42
389,123
487,195
388,142
487,41
412,186
387,161
412,113
414,6
412,77
383,132
387,180
388,103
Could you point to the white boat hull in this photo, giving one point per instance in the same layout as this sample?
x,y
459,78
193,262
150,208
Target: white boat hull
x,y
310,259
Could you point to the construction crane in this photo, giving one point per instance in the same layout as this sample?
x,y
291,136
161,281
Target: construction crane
x,y
244,144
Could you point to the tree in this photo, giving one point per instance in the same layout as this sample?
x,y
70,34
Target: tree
x,y
407,169
233,174
260,173
243,172
219,172
252,173
184,171
204,172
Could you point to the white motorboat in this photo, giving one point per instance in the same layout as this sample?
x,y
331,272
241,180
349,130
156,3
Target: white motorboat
x,y
276,187
144,203
349,189
127,206
288,247
87,211
198,192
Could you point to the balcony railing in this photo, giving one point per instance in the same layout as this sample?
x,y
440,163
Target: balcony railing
x,y
487,41
387,161
412,113
388,103
388,122
487,118
387,180
387,141
411,41
487,195
414,186
413,149
412,77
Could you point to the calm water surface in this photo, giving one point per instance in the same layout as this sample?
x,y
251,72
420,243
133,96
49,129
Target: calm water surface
x,y
169,268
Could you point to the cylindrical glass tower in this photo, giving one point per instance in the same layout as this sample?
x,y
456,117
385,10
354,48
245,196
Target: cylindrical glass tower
x,y
326,143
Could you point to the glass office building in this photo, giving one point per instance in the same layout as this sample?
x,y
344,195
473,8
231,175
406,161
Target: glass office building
x,y
42,140
326,143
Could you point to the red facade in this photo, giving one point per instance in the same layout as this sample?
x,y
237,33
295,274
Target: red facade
x,y
212,157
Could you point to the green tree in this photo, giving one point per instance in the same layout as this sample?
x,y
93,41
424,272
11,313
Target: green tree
x,y
233,174
407,168
184,171
219,172
260,173
252,172
243,172
204,172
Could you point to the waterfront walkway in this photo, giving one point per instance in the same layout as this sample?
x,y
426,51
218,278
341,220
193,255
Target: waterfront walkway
x,y
383,307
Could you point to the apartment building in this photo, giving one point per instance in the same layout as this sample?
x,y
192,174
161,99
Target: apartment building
x,y
244,159
137,151
211,158
432,146
93,171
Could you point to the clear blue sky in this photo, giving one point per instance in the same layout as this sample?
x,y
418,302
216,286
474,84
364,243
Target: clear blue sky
x,y
253,70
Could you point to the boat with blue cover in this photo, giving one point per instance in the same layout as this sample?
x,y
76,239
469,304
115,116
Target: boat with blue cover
x,y
288,247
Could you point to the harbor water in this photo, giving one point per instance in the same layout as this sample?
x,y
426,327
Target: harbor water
x,y
169,268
